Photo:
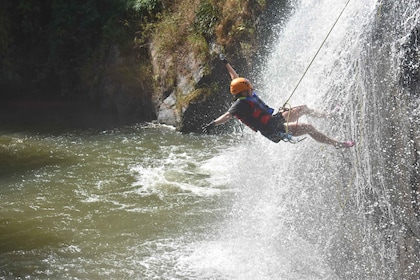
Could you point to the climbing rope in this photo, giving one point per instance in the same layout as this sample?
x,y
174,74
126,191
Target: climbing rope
x,y
288,136
282,108
289,109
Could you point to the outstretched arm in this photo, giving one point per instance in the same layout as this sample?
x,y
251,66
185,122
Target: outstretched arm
x,y
220,120
231,71
229,67
223,118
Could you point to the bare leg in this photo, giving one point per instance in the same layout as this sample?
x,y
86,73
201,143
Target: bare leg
x,y
301,129
294,113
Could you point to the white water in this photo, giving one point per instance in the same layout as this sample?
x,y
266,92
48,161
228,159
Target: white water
x,y
146,202
300,211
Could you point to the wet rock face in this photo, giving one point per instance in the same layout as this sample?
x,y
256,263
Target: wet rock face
x,y
409,80
410,65
414,76
191,87
167,111
178,76
120,89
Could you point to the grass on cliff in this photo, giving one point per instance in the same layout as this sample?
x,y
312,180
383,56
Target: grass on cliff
x,y
177,28
193,26
228,23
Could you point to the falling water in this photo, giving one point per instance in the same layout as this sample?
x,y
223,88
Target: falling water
x,y
309,211
146,202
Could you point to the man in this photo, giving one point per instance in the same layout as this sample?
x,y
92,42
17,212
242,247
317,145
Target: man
x,y
254,113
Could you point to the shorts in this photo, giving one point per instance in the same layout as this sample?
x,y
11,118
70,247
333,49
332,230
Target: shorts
x,y
275,128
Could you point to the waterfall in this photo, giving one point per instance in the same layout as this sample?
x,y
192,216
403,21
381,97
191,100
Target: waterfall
x,y
310,211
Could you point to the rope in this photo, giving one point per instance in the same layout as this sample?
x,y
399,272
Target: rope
x,y
288,116
310,64
288,136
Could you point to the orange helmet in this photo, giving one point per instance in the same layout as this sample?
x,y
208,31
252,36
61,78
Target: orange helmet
x,y
239,84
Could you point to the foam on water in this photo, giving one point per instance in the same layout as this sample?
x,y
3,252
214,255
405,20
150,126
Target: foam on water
x,y
146,202
278,220
181,173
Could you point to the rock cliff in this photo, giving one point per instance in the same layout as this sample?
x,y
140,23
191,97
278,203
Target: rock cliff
x,y
135,60
191,84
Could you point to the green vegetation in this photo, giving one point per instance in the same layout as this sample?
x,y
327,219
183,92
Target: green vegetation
x,y
229,23
206,18
195,96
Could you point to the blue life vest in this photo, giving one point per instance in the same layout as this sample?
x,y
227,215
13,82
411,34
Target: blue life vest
x,y
260,111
